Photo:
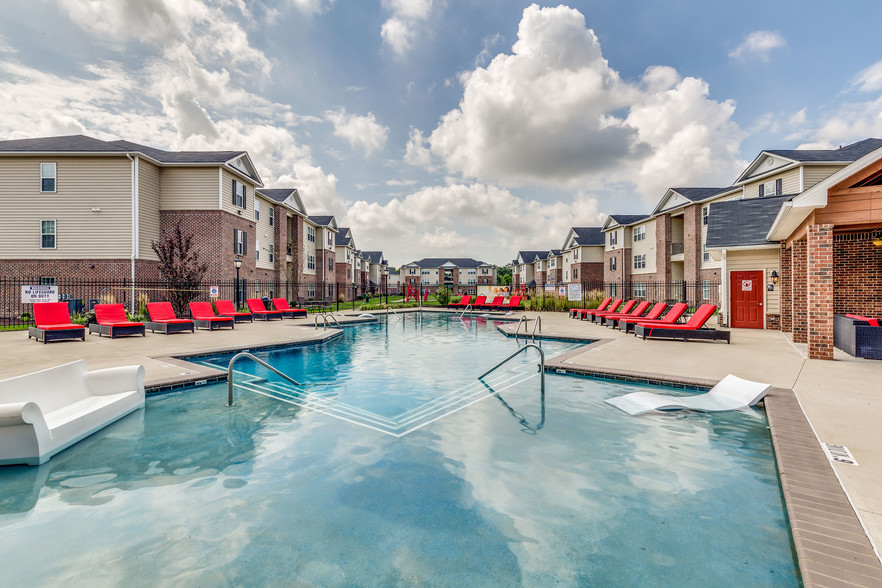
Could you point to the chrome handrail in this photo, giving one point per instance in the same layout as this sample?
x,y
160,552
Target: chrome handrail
x,y
538,323
258,360
465,310
325,317
525,347
523,319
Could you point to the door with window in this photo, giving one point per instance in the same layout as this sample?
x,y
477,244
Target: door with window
x,y
746,290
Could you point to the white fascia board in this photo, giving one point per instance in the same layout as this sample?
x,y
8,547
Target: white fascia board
x,y
755,163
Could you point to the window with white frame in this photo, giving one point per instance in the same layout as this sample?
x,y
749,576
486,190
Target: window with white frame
x,y
613,237
705,213
551,263
639,289
47,234
310,290
310,261
330,239
257,249
331,263
705,289
47,177
239,194
472,272
272,216
272,253
575,273
240,242
472,281
310,234
613,263
705,254
640,261
771,188
566,275
256,209
425,272
613,288
484,271
412,271
639,233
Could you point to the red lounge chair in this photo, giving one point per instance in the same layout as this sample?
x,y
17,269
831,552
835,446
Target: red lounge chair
x,y
672,317
52,321
479,302
255,305
610,319
204,317
587,313
576,312
462,303
282,304
652,315
513,304
163,319
497,301
112,320
690,330
594,317
226,308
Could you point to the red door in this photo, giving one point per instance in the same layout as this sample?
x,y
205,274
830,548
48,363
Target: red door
x,y
746,290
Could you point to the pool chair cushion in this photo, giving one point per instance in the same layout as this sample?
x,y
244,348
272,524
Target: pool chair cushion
x,y
163,319
112,320
44,412
575,312
204,317
52,321
731,393
497,300
226,308
287,311
671,317
255,305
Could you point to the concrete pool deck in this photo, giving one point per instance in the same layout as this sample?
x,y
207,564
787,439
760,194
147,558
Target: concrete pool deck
x,y
842,400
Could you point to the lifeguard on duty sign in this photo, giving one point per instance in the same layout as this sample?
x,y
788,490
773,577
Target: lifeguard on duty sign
x,y
31,294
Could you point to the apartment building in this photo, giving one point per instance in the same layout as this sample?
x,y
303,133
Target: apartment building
x,y
462,275
583,253
524,267
377,268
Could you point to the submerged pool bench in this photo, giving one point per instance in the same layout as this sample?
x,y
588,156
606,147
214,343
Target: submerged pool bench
x,y
47,411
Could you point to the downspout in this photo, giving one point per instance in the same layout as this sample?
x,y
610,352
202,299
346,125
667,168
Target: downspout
x,y
135,239
724,287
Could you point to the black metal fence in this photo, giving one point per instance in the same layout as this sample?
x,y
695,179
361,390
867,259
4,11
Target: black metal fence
x,y
556,296
82,294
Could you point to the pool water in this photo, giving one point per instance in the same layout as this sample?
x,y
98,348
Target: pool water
x,y
508,491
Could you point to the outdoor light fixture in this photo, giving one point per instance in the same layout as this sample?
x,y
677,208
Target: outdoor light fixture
x,y
774,277
877,239
238,263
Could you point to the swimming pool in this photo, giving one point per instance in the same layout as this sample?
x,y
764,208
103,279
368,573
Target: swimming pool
x,y
190,492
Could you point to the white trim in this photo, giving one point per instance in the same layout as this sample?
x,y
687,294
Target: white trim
x,y
54,177
801,179
54,233
220,188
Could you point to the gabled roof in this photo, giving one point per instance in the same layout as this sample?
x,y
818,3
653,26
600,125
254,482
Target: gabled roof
x,y
780,159
375,257
63,144
675,198
552,253
614,221
528,256
288,196
324,221
588,235
344,236
462,262
742,223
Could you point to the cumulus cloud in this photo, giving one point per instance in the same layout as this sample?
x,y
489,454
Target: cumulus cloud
x,y
416,152
870,79
477,218
359,131
555,112
405,20
758,45
313,7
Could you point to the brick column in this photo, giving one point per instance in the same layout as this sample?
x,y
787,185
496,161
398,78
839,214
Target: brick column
x,y
786,290
820,291
798,298
692,243
663,248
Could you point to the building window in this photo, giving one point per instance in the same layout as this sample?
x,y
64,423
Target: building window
x,y
240,242
47,177
310,234
613,288
272,216
331,263
425,272
239,194
613,238
310,262
257,249
705,289
612,263
705,254
771,188
330,239
566,276
640,261
575,255
47,234
639,233
46,281
256,209
575,274
639,289
310,290
484,272
272,253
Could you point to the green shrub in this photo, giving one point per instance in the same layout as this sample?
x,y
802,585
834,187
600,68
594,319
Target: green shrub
x,y
443,296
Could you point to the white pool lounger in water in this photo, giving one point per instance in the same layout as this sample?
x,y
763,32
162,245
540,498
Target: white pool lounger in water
x,y
731,393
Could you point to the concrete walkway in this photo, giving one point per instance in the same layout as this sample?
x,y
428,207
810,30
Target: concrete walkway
x,y
842,399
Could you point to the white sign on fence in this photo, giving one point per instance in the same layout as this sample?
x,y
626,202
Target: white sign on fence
x,y
214,292
550,288
31,294
574,291
562,291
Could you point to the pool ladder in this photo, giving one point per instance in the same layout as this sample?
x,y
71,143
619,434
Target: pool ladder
x,y
245,354
538,323
325,316
521,350
465,310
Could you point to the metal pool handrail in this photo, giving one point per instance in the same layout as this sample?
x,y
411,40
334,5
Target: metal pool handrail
x,y
258,360
325,316
538,323
465,310
523,319
524,348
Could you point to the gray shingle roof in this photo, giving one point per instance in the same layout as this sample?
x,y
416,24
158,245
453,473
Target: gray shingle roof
x,y
467,262
321,221
739,223
277,194
626,219
851,152
698,194
373,256
589,235
530,256
179,156
344,237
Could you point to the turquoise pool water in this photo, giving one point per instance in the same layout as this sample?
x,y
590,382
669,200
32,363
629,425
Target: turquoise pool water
x,y
190,492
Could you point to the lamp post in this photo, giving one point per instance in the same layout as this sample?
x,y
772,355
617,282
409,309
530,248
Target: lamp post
x,y
238,263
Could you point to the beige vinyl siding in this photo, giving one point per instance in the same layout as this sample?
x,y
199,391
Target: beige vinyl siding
x,y
789,183
148,208
812,174
646,246
188,188
619,244
263,231
591,254
227,200
82,183
754,260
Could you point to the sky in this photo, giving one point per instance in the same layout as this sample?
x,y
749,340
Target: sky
x,y
451,128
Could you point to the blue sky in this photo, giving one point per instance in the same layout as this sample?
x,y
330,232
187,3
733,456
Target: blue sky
x,y
436,127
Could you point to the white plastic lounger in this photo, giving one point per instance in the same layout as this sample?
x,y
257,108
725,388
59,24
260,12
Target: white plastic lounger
x,y
731,393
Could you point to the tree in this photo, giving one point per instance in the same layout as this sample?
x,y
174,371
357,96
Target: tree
x,y
503,275
180,267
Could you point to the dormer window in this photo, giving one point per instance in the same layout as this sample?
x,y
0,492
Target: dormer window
x,y
771,188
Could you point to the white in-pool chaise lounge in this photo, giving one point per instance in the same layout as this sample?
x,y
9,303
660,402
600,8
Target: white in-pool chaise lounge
x,y
731,393
47,411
